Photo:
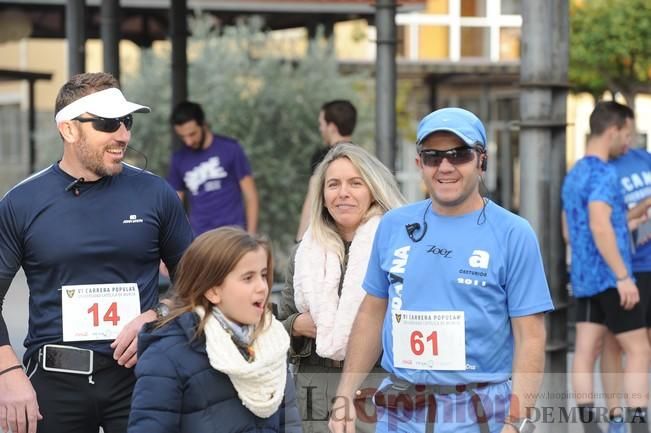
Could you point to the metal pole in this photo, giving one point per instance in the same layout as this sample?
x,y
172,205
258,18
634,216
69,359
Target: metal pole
x,y
110,32
543,76
557,323
76,35
535,107
31,127
506,169
179,34
385,82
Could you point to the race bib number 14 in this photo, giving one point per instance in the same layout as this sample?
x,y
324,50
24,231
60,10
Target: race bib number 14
x,y
98,311
429,340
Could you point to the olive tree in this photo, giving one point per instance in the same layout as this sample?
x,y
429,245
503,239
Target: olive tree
x,y
266,101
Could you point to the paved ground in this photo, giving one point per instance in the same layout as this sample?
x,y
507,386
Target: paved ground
x,y
15,314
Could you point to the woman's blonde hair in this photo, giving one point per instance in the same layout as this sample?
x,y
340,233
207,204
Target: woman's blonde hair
x,y
385,194
206,264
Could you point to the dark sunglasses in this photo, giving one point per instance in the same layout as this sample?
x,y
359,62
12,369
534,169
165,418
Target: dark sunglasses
x,y
104,124
457,156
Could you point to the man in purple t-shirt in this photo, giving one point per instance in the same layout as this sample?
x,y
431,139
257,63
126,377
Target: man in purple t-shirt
x,y
215,173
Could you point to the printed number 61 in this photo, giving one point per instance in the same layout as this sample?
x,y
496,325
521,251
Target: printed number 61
x,y
418,346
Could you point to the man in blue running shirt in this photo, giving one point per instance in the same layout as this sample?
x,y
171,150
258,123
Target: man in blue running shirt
x,y
607,297
634,171
456,294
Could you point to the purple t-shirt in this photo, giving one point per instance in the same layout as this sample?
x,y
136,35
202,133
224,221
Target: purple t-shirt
x,y
211,177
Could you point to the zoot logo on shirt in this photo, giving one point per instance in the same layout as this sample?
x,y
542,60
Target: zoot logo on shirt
x,y
439,251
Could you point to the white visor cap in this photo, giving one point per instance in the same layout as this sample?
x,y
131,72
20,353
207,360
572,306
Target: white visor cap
x,y
108,103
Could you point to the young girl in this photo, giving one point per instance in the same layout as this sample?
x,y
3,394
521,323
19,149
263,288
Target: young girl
x,y
217,363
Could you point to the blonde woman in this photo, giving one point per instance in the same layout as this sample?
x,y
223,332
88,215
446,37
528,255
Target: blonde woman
x,y
324,284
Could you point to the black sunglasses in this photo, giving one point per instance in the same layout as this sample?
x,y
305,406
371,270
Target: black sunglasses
x,y
104,124
457,156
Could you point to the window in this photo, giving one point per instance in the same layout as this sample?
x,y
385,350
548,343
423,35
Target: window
x,y
473,8
510,43
475,42
640,141
11,133
470,29
434,42
511,7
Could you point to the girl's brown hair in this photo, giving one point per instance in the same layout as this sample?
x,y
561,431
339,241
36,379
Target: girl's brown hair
x,y
206,263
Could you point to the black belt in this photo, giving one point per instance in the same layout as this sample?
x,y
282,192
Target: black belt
x,y
73,360
418,396
329,363
322,362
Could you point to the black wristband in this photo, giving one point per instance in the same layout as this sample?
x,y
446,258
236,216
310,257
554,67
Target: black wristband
x,y
7,370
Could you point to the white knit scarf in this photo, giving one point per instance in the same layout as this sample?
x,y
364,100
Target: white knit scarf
x,y
316,284
260,384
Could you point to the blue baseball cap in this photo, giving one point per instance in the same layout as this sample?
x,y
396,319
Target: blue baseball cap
x,y
458,121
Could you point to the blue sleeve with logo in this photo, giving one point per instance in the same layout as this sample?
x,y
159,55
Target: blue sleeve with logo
x,y
376,281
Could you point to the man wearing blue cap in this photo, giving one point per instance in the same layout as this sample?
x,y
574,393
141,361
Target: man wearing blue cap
x,y
456,293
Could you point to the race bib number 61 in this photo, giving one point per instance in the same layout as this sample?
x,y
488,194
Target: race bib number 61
x,y
429,340
98,311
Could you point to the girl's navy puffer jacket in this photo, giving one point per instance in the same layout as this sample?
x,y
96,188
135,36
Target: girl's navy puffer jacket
x,y
179,392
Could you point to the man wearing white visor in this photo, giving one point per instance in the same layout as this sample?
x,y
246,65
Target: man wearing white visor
x,y
89,232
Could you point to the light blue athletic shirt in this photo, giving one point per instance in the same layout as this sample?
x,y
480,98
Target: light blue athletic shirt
x,y
593,180
488,266
634,171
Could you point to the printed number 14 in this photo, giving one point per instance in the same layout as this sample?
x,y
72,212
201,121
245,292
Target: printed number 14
x,y
418,346
111,314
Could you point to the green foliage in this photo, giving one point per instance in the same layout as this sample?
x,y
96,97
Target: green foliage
x,y
610,49
268,103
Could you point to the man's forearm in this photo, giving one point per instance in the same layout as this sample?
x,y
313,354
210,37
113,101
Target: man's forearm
x,y
639,209
251,210
251,205
526,383
604,239
528,366
364,345
252,218
8,357
603,233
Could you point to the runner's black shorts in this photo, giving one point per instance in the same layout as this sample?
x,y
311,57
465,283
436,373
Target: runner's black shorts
x,y
604,308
